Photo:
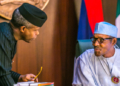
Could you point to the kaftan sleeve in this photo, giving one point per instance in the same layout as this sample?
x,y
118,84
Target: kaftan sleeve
x,y
76,78
83,75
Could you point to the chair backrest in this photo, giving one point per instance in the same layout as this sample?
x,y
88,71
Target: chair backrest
x,y
83,45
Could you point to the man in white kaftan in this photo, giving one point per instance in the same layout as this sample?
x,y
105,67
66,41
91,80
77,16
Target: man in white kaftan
x,y
99,66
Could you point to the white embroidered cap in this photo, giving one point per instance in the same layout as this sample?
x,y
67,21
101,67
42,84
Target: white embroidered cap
x,y
106,28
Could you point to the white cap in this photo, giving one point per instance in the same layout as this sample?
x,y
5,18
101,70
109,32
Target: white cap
x,y
106,28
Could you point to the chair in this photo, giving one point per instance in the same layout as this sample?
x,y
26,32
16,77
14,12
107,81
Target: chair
x,y
83,45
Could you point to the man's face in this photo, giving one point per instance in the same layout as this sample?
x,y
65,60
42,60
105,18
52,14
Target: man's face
x,y
103,48
30,34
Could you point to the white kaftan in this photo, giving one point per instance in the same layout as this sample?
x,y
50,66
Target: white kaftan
x,y
91,70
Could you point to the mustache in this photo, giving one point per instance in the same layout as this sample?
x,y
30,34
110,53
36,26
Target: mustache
x,y
96,47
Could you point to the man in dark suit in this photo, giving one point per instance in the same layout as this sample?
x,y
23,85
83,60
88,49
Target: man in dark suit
x,y
24,25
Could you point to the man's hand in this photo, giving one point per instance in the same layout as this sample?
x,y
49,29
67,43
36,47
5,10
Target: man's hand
x,y
27,77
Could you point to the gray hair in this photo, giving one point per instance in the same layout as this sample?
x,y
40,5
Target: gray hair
x,y
18,20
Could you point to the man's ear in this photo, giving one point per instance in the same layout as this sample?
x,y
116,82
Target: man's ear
x,y
114,41
22,29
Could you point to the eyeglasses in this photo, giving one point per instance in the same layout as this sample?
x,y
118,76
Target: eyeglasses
x,y
100,40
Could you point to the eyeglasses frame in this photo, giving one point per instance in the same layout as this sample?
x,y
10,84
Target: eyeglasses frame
x,y
96,39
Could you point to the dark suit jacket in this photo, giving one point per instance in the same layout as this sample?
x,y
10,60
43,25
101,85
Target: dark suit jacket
x,y
7,52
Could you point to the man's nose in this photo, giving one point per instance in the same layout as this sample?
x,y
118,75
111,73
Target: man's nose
x,y
37,32
96,43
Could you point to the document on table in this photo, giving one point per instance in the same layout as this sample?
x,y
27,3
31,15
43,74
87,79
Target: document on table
x,y
30,83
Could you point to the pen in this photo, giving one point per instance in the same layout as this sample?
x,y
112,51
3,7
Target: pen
x,y
38,73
